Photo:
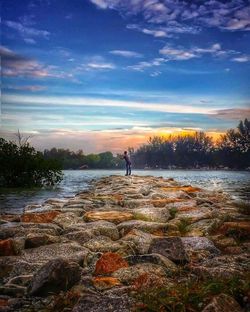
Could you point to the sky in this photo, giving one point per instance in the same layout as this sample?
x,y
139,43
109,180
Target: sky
x,y
102,75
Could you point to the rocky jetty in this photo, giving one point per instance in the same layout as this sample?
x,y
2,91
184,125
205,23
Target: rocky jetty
x,y
127,244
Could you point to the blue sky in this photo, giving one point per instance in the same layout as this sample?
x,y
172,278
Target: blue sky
x,y
104,74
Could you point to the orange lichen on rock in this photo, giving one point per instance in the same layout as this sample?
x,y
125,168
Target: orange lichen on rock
x,y
41,217
109,263
147,281
105,282
188,189
7,247
112,216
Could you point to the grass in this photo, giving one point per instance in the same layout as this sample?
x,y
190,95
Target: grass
x,y
183,226
172,212
192,294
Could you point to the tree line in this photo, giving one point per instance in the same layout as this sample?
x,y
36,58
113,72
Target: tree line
x,y
22,165
198,150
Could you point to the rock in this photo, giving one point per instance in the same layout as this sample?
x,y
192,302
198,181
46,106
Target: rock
x,y
70,251
56,275
170,247
199,244
128,275
195,214
34,240
222,267
42,217
180,249
112,216
108,263
103,244
22,229
144,226
162,202
102,283
153,215
167,264
98,303
66,219
187,189
224,242
223,303
236,229
11,247
104,228
139,241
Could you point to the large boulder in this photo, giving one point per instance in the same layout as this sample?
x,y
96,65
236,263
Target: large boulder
x,y
128,275
103,244
66,219
167,264
145,226
182,249
152,214
170,247
111,216
97,228
139,241
42,217
108,263
34,240
56,275
69,250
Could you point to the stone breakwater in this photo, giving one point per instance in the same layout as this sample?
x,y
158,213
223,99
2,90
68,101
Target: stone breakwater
x,y
122,244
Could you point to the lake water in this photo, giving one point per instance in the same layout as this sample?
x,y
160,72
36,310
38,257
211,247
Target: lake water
x,y
236,183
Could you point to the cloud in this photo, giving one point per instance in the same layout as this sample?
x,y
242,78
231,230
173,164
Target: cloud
x,y
126,53
27,33
231,15
233,113
29,40
241,59
16,65
180,53
143,65
100,102
100,66
177,54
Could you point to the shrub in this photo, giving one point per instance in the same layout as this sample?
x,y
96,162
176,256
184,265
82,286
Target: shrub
x,y
22,166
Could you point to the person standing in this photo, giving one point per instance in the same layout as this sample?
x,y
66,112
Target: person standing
x,y
128,163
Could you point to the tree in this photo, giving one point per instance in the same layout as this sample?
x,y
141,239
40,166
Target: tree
x,y
21,165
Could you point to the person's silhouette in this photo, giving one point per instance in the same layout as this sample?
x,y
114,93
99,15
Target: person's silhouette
x,y
128,163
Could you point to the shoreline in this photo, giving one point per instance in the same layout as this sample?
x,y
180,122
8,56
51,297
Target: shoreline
x,y
122,241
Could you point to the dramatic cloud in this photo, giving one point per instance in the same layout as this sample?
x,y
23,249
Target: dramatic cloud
x,y
126,53
228,15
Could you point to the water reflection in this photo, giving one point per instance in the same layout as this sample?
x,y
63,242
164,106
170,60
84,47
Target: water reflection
x,y
236,183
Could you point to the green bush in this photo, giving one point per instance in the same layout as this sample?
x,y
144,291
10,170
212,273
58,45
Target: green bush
x,y
22,166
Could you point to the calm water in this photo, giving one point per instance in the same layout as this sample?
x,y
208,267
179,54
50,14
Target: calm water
x,y
236,183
